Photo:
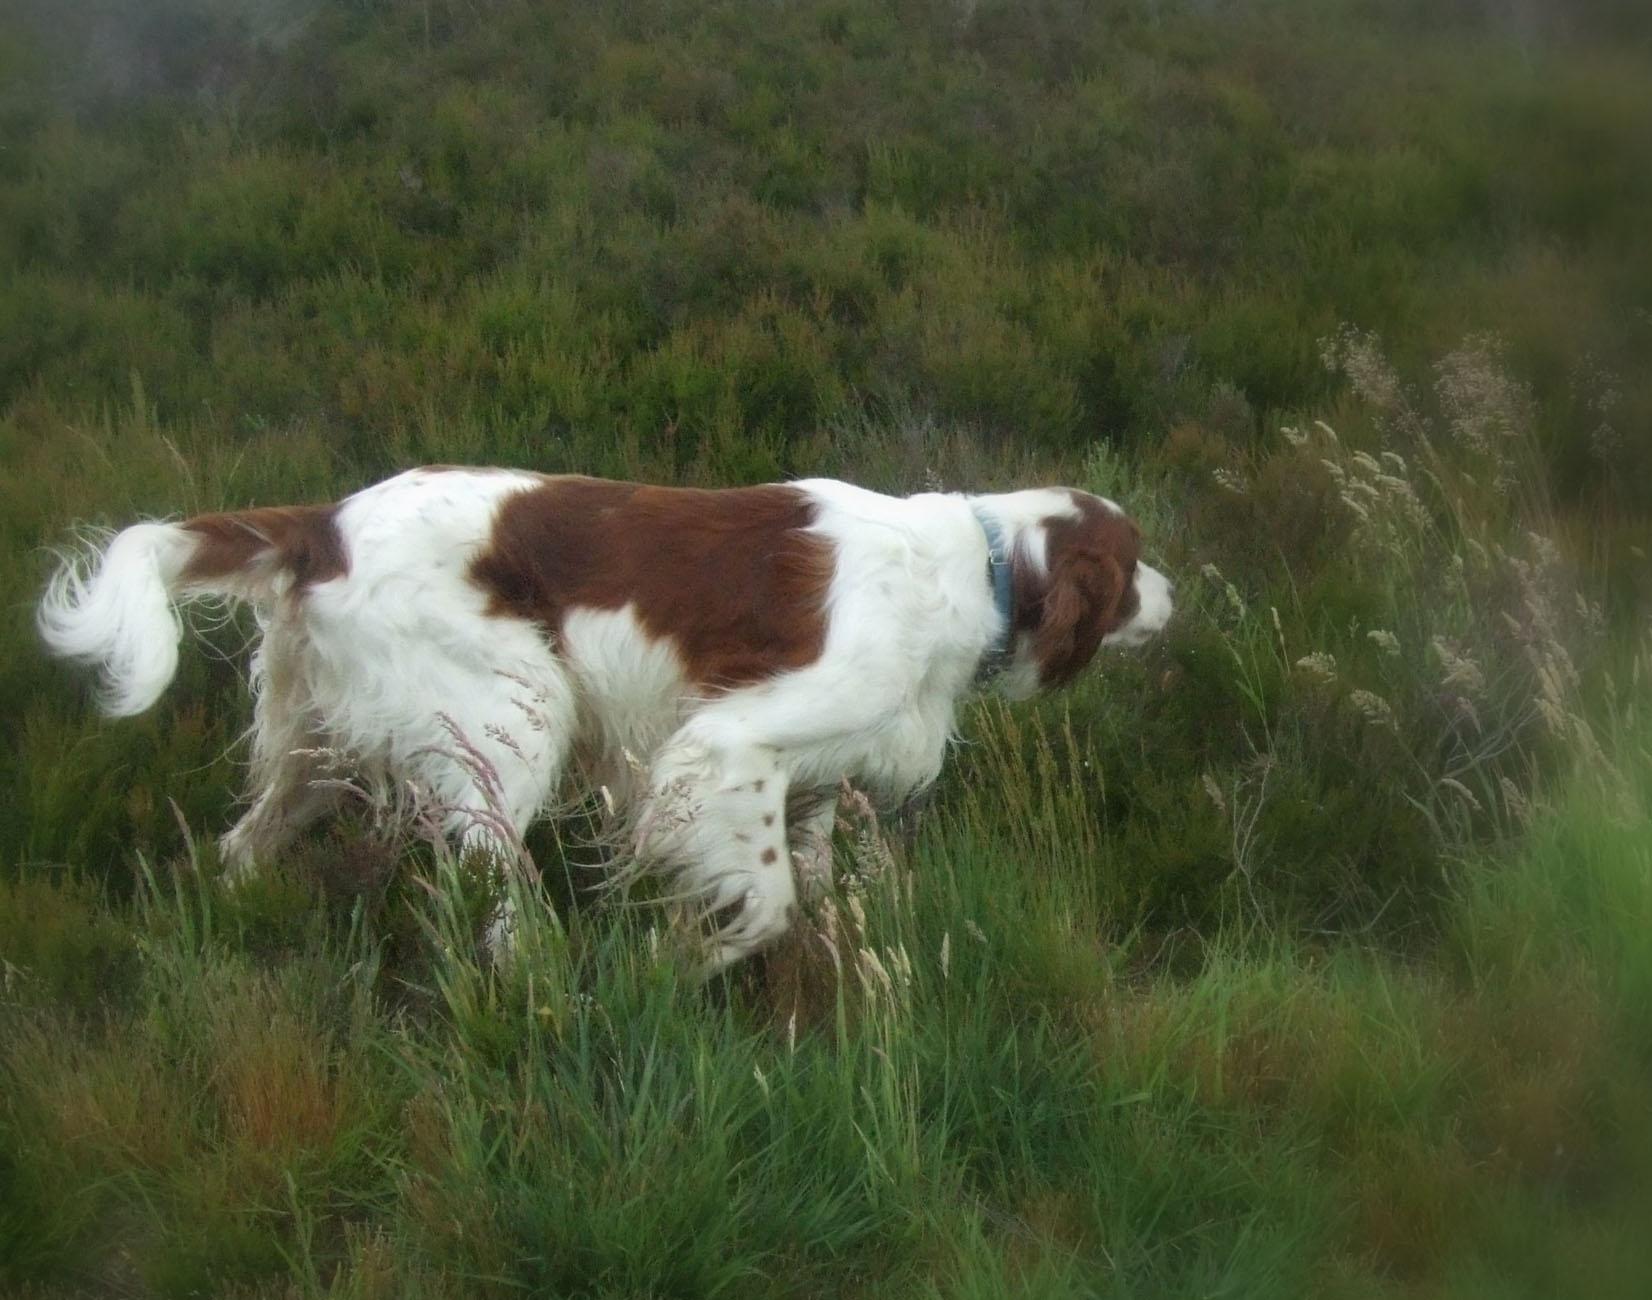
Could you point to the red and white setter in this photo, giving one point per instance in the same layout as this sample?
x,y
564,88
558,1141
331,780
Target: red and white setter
x,y
709,658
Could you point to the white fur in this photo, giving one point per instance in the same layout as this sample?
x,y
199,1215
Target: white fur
x,y
397,666
120,615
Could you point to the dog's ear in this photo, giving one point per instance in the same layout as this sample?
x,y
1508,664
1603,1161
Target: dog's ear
x,y
1085,589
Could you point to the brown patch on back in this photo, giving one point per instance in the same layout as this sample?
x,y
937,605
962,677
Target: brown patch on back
x,y
732,577
305,540
1087,591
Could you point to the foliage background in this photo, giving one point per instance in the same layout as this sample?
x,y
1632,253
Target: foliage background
x,y
1306,954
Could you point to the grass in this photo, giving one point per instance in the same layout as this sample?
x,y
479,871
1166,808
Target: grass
x,y
994,1098
1303,955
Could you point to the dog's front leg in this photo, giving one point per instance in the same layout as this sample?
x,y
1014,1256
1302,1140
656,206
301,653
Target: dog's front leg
x,y
717,816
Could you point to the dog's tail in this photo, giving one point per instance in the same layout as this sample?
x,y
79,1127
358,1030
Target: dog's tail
x,y
113,602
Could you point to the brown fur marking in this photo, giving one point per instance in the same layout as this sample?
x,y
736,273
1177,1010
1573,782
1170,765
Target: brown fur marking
x,y
1087,592
731,577
305,540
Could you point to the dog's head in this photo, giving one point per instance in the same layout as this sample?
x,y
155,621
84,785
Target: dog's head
x,y
1079,584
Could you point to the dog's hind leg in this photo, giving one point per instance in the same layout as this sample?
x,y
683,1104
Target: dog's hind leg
x,y
286,795
292,797
505,740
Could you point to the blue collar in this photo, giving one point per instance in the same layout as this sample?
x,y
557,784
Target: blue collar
x,y
999,573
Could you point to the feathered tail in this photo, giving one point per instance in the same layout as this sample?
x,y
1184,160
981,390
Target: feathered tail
x,y
114,605
113,608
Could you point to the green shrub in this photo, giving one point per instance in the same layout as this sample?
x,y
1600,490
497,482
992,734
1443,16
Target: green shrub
x,y
1303,953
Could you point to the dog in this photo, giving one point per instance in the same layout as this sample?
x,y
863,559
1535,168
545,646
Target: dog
x,y
708,659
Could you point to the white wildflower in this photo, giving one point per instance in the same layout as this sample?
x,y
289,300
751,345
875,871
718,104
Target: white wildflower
x,y
1387,642
1462,673
1320,665
1484,406
1376,711
1544,550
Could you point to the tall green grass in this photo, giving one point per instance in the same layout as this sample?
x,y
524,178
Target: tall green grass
x,y
959,1079
1304,954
